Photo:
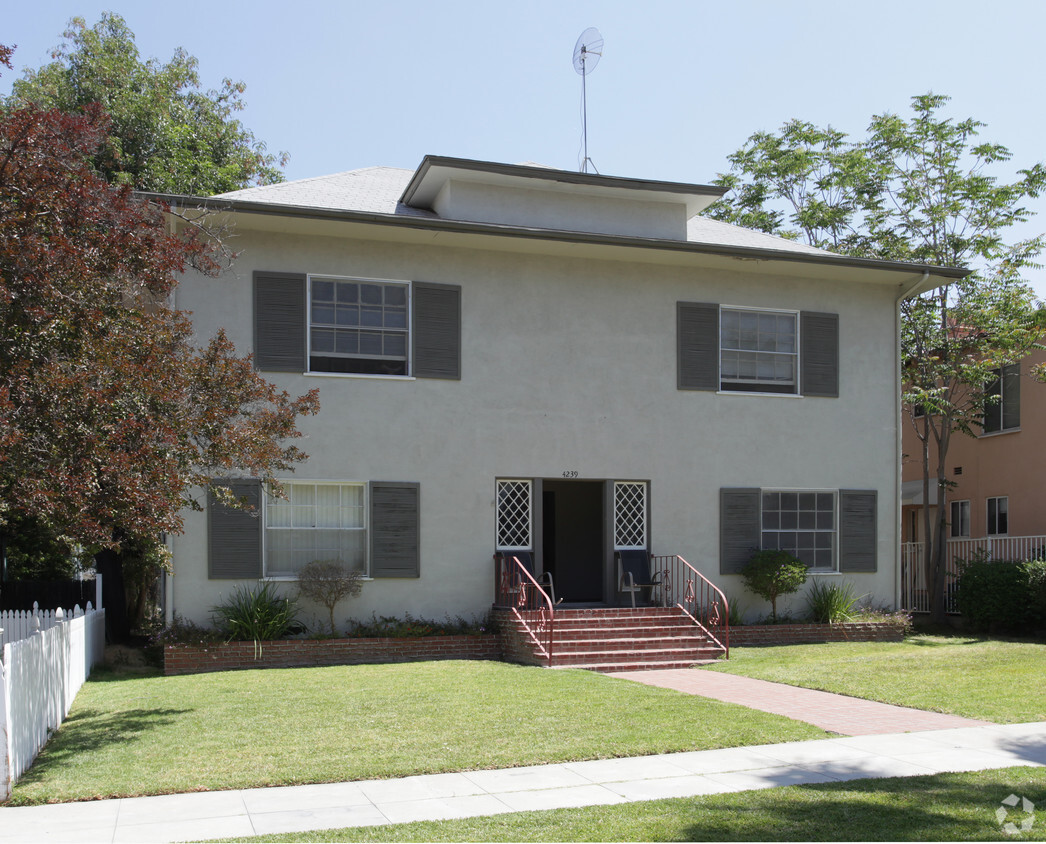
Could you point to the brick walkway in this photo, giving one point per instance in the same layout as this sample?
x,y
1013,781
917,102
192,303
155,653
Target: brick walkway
x,y
848,716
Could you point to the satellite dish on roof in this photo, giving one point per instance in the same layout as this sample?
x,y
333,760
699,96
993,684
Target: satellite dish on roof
x,y
587,52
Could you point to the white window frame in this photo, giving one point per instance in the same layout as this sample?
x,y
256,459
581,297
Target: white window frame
x,y
759,386
644,487
268,503
498,545
987,515
1000,405
834,531
408,331
962,529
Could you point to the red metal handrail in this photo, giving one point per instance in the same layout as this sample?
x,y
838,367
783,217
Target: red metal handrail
x,y
517,590
685,587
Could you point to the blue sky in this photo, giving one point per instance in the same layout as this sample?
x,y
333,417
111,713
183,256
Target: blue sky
x,y
341,84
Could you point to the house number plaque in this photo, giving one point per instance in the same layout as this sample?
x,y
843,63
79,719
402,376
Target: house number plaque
x,y
570,473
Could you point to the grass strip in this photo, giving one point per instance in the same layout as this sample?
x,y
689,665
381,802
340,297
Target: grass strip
x,y
129,735
989,679
943,807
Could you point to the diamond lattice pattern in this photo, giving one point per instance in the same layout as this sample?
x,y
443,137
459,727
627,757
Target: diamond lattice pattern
x,y
513,515
629,515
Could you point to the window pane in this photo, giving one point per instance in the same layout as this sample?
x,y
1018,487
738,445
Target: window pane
x,y
322,291
396,345
323,339
348,342
370,343
395,318
348,293
323,314
370,294
347,315
371,317
396,294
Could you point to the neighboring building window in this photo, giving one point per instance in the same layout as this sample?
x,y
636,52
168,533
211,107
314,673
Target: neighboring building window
x,y
629,515
998,516
758,351
802,523
317,521
358,325
960,518
1003,413
514,515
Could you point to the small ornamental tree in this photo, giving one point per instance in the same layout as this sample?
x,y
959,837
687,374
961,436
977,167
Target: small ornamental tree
x,y
326,582
770,574
111,414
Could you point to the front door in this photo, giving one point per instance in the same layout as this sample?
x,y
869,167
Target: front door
x,y
572,538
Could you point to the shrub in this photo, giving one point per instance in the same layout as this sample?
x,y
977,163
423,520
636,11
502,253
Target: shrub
x,y
408,627
770,574
829,603
1003,595
328,581
257,616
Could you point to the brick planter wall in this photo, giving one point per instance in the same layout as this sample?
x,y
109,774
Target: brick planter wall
x,y
805,634
303,653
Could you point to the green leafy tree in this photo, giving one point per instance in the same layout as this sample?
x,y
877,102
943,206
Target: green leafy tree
x,y
166,134
913,189
771,574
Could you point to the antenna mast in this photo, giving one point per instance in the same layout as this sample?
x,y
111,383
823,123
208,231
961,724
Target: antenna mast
x,y
587,51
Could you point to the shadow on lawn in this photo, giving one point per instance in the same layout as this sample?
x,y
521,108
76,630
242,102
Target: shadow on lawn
x,y
948,807
88,730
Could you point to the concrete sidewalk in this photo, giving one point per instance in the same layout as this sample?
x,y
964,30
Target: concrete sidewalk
x,y
226,814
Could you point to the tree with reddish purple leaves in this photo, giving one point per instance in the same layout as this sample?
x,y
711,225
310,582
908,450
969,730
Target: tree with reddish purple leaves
x,y
111,418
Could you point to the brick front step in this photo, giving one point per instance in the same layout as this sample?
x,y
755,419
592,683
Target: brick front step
x,y
614,639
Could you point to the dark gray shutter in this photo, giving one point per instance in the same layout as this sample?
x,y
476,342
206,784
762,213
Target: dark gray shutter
x,y
279,322
739,511
819,354
394,529
234,536
697,342
437,330
1011,396
858,530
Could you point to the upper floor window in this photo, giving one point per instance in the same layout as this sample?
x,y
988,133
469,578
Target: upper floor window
x,y
1003,411
358,326
758,351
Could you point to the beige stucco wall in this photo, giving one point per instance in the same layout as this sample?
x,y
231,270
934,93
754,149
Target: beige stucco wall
x,y
1008,463
568,365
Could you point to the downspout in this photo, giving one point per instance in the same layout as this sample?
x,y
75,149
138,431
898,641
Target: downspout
x,y
914,288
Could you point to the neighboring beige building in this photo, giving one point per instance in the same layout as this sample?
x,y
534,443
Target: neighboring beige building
x,y
511,357
995,499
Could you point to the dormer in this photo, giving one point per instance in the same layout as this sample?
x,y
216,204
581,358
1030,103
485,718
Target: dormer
x,y
537,197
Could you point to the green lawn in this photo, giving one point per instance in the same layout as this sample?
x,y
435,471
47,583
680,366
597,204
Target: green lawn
x,y
989,679
946,807
131,735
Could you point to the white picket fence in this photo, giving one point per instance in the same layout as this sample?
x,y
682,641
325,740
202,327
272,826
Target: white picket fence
x,y
16,625
39,677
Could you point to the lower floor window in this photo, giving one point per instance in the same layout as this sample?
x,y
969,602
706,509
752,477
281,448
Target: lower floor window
x,y
998,516
316,521
960,518
802,523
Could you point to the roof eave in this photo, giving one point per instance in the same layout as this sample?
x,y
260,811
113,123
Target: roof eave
x,y
561,235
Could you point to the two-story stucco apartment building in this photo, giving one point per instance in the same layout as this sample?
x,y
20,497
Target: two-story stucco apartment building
x,y
512,357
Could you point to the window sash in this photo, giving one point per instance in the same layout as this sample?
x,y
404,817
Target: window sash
x,y
317,521
960,525
357,319
515,498
998,523
758,350
630,509
804,523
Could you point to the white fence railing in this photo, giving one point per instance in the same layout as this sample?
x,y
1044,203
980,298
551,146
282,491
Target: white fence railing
x,y
16,625
39,677
915,596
